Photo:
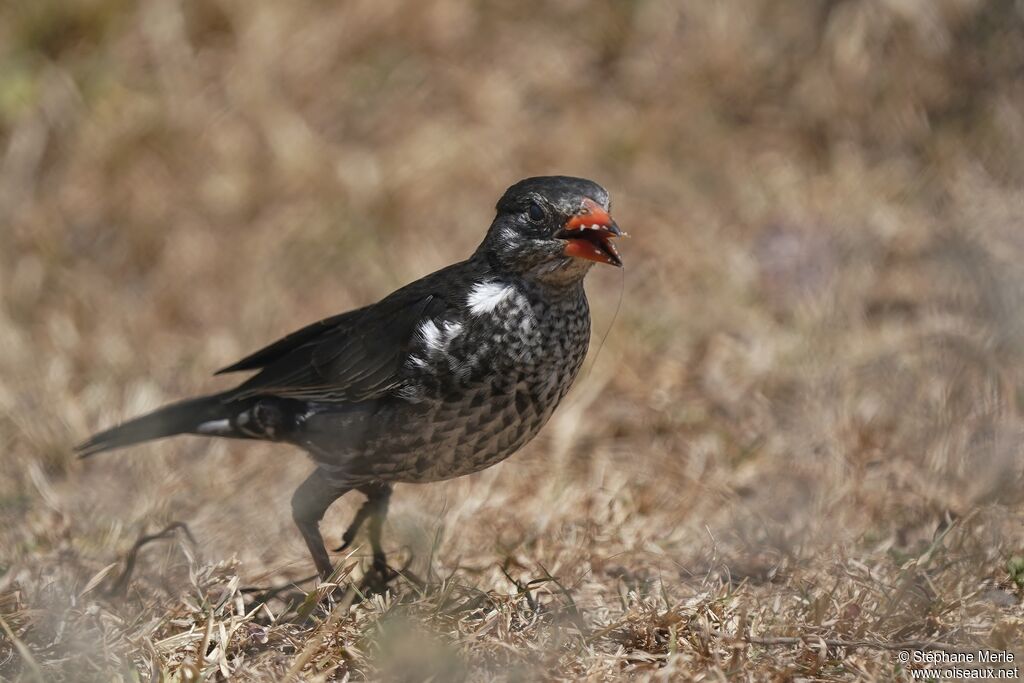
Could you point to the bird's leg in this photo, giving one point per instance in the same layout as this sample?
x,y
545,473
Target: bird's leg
x,y
376,506
309,503
353,528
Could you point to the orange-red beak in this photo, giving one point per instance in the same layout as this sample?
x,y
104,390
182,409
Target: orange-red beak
x,y
589,234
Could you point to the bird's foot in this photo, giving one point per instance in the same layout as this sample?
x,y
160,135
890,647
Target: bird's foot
x,y
346,542
378,576
381,574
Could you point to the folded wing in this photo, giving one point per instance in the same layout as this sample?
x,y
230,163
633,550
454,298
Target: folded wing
x,y
352,357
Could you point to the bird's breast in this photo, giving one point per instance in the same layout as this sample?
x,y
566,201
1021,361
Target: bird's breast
x,y
505,337
478,386
487,382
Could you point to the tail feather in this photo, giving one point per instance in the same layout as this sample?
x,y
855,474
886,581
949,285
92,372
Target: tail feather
x,y
178,418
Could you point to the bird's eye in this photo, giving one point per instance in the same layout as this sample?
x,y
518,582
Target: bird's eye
x,y
535,212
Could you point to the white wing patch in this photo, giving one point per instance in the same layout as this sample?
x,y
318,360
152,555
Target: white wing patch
x,y
215,427
431,336
485,297
436,341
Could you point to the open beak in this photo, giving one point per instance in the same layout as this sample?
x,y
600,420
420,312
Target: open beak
x,y
589,234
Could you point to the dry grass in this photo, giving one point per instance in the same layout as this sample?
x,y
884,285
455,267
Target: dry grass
x,y
799,445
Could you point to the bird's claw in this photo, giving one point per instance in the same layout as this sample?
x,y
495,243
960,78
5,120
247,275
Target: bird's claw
x,y
380,565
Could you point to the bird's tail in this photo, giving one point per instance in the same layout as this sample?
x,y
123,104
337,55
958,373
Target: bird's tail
x,y
204,415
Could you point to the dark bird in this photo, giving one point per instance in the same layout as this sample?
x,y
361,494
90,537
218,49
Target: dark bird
x,y
446,376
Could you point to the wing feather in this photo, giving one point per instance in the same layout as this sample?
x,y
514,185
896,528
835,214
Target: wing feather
x,y
353,357
289,343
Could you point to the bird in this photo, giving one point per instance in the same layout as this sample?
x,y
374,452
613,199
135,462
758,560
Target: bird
x,y
444,377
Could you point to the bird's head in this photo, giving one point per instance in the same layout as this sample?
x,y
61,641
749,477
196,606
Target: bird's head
x,y
553,228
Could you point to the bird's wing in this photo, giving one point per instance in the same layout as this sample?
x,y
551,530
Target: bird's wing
x,y
287,344
353,357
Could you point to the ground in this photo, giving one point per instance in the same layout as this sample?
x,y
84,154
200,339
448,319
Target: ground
x,y
794,451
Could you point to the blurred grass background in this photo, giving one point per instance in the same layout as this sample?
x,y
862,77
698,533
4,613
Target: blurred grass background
x,y
806,418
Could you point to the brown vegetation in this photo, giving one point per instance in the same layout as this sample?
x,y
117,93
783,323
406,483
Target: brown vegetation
x,y
799,445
